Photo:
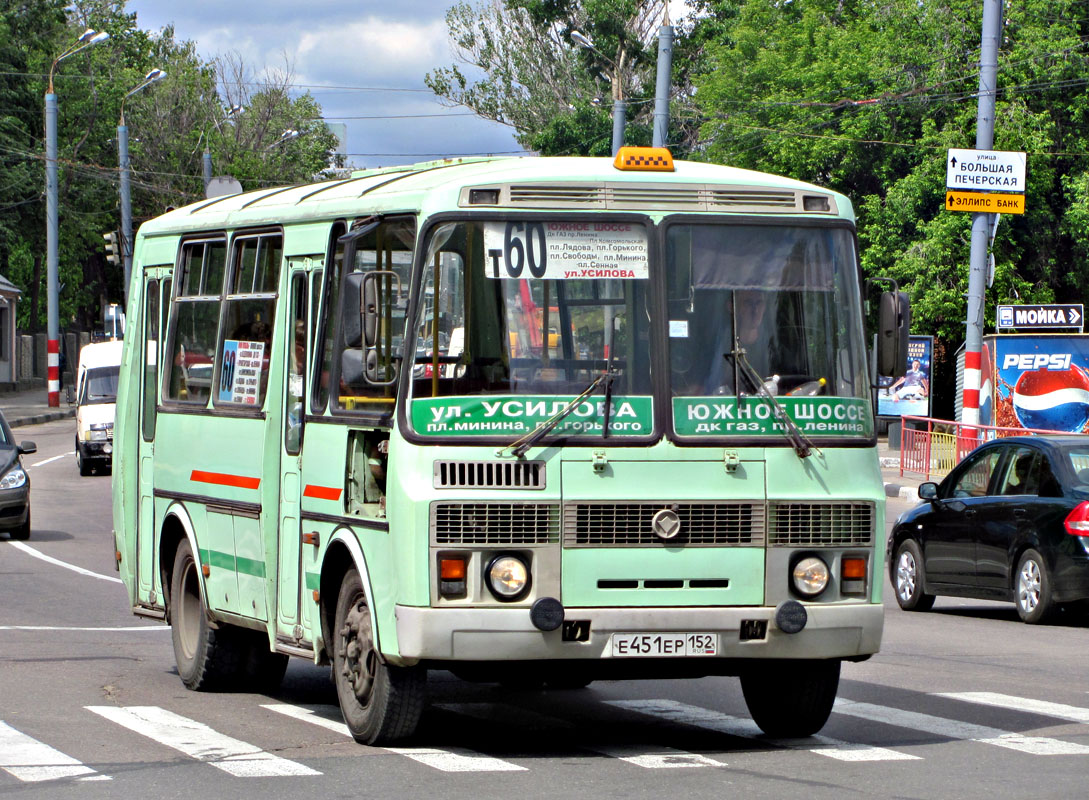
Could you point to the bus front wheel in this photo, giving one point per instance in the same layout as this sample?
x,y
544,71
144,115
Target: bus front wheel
x,y
207,657
380,703
791,698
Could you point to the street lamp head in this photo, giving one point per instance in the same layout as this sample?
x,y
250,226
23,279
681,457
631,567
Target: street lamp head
x,y
286,136
98,38
155,75
87,34
581,40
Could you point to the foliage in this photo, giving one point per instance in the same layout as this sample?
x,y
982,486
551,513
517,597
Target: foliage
x,y
537,79
866,99
170,123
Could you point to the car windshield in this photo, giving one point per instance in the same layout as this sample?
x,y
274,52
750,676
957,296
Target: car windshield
x,y
515,319
100,385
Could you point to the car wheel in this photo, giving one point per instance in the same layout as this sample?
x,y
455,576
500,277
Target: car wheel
x,y
22,533
791,698
381,703
908,578
81,462
1033,589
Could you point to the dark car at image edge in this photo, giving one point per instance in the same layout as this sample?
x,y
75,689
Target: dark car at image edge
x,y
14,484
1010,523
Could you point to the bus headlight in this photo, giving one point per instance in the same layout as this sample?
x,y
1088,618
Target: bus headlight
x,y
810,576
508,577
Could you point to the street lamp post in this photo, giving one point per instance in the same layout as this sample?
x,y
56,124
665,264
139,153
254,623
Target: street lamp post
x,y
207,160
620,108
126,192
88,38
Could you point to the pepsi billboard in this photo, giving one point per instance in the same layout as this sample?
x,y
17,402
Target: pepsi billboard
x,y
1040,381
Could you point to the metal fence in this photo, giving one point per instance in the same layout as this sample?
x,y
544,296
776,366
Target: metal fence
x,y
932,447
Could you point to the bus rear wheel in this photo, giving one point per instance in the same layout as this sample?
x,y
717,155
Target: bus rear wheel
x,y
207,657
791,698
380,703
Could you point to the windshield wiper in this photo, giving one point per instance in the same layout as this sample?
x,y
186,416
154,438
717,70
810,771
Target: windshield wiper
x,y
519,446
801,443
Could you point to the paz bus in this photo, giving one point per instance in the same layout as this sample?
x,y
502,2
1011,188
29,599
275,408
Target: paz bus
x,y
539,421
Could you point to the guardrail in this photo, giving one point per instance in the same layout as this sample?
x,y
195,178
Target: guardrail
x,y
937,445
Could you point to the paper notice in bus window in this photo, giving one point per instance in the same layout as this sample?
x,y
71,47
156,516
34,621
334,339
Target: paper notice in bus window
x,y
240,373
566,250
678,329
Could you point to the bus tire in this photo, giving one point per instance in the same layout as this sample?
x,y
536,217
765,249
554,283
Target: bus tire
x,y
791,698
263,669
380,703
208,658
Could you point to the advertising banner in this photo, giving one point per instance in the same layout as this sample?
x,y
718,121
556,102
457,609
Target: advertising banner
x,y
1041,382
909,395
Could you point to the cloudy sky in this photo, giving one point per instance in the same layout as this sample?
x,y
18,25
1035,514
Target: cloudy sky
x,y
359,59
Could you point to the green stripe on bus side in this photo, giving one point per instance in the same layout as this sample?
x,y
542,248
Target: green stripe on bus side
x,y
246,566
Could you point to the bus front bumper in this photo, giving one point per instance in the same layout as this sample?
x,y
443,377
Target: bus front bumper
x,y
506,634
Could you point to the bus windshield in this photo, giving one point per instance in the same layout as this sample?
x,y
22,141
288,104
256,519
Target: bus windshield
x,y
518,318
764,310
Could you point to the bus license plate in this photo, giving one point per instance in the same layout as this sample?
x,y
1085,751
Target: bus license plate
x,y
658,645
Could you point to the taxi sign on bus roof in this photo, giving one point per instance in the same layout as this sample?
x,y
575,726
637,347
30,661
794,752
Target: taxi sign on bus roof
x,y
645,159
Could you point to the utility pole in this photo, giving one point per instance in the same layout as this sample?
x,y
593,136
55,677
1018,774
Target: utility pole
x,y
661,89
88,38
981,223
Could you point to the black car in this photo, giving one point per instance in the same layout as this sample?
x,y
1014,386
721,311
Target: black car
x,y
1010,522
14,484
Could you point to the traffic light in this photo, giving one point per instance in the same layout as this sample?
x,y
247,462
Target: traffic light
x,y
113,248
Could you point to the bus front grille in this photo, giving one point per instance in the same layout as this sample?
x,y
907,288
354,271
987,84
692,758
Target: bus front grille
x,y
588,524
494,523
813,524
489,475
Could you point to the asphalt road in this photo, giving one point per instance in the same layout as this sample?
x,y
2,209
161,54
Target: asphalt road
x,y
91,705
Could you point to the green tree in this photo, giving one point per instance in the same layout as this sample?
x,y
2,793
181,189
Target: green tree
x,y
533,76
867,98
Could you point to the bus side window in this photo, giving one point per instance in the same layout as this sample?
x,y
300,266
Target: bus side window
x,y
293,416
194,321
323,333
151,358
248,314
387,248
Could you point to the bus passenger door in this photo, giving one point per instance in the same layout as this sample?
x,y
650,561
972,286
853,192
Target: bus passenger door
x,y
289,583
156,296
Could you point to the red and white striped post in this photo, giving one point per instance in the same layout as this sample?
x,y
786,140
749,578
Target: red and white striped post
x,y
53,362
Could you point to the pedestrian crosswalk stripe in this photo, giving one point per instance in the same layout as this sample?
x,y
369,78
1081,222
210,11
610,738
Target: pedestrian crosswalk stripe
x,y
450,759
735,726
30,760
641,756
955,729
201,742
1008,701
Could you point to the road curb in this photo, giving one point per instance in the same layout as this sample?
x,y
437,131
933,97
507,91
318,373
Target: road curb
x,y
903,492
38,419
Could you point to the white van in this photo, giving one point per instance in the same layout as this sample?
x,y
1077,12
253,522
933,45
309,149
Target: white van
x,y
96,399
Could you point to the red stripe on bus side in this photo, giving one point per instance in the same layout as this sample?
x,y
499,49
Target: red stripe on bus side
x,y
223,479
321,492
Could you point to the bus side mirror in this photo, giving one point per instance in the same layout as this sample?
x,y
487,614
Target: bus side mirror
x,y
893,323
377,301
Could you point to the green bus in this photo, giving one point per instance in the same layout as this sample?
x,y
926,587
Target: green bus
x,y
539,421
